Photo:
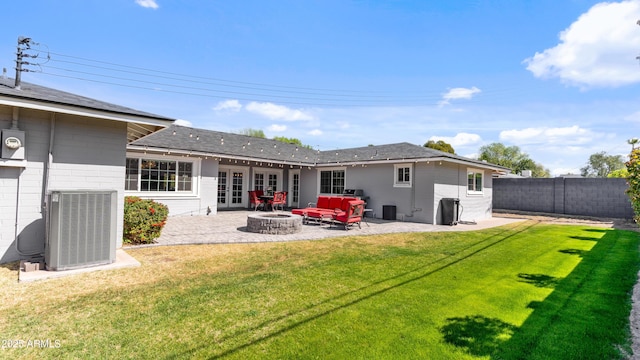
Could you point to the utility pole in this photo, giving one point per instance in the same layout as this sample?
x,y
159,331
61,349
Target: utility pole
x,y
23,43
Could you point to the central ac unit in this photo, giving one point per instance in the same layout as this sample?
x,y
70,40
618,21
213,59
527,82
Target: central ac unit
x,y
82,229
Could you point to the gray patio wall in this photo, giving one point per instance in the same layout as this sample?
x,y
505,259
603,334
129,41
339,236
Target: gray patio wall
x,y
599,197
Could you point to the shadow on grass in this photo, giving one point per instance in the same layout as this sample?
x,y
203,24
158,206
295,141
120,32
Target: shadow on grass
x,y
579,252
586,316
586,238
355,296
477,335
539,280
13,266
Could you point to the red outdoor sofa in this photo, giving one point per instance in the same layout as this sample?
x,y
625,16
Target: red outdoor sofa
x,y
335,209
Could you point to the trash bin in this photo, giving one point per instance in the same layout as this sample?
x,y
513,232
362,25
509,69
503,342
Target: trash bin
x,y
388,212
449,210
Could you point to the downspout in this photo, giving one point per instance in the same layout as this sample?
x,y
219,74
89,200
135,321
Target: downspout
x,y
14,126
45,185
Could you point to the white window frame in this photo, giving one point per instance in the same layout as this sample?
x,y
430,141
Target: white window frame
x,y
266,173
320,170
474,173
195,176
402,183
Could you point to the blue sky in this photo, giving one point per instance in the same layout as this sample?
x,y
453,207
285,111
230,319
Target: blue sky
x,y
559,79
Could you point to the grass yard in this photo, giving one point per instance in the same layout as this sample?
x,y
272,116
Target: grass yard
x,y
522,291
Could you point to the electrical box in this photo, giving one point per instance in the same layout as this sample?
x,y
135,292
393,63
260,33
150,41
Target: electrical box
x,y
13,144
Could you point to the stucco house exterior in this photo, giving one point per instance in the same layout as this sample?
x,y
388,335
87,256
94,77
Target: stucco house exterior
x,y
197,171
54,140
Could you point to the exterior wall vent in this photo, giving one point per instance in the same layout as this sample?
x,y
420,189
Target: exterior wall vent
x,y
82,229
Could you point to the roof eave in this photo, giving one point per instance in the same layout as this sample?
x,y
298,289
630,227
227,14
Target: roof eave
x,y
88,112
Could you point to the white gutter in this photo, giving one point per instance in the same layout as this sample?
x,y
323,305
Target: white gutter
x,y
418,160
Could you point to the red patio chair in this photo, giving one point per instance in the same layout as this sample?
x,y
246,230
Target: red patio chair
x,y
255,201
278,199
353,215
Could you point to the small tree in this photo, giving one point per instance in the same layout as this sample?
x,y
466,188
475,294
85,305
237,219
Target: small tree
x,y
601,164
252,132
633,179
513,158
293,141
440,145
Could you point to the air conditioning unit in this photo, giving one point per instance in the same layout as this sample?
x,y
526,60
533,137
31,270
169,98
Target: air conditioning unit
x,y
82,229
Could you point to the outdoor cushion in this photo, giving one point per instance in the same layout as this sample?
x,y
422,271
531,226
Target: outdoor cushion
x,y
300,212
345,203
334,203
323,202
318,213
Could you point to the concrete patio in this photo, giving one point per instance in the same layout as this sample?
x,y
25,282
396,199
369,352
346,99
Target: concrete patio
x,y
227,227
230,227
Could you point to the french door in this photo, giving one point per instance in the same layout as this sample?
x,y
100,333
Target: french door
x,y
232,187
294,189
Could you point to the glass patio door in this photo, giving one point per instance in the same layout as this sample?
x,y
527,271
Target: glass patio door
x,y
294,189
231,188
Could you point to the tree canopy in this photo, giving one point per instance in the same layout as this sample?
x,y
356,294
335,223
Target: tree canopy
x,y
513,158
253,132
601,165
293,141
440,145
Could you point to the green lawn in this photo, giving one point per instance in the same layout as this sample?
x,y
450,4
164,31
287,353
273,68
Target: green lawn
x,y
523,291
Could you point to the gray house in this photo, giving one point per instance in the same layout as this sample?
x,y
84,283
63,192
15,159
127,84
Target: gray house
x,y
196,171
55,141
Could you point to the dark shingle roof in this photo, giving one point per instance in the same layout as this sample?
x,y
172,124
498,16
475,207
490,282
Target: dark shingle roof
x,y
211,142
227,144
398,152
30,91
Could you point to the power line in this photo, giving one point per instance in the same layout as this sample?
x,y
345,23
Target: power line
x,y
210,80
191,85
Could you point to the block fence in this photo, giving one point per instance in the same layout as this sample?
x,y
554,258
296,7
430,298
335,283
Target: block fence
x,y
596,197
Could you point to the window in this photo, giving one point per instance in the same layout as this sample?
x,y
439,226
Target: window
x,y
131,177
332,181
158,175
402,175
266,180
474,181
258,183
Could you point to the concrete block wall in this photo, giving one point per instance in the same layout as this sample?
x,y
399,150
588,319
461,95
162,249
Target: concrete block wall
x,y
597,197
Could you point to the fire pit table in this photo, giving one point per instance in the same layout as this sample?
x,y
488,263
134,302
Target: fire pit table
x,y
274,223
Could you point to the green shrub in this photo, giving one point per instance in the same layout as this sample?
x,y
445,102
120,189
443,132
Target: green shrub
x,y
633,166
143,220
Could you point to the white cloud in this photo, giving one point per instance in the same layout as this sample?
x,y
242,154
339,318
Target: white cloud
x,y
277,112
150,4
598,49
461,139
635,117
458,93
183,122
315,132
231,105
277,128
572,135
